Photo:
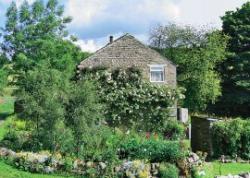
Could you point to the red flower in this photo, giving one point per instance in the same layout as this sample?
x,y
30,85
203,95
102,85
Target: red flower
x,y
148,135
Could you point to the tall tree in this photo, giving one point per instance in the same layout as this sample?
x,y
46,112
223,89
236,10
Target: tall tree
x,y
235,70
197,53
34,30
84,115
35,33
43,96
28,23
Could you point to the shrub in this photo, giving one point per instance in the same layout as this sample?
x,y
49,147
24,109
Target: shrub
x,y
65,139
136,168
174,130
3,78
152,150
168,171
96,147
17,136
231,137
14,140
84,115
245,140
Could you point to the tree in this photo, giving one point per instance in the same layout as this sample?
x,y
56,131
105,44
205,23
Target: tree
x,y
28,23
197,53
84,115
235,70
43,59
43,96
37,32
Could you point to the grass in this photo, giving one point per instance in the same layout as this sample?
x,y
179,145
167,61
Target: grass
x,y
215,168
7,171
6,106
6,109
4,128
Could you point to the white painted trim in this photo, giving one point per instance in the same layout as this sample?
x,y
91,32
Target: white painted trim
x,y
157,65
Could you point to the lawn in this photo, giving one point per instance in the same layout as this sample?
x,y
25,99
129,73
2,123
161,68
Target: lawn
x,y
215,168
6,106
6,109
7,171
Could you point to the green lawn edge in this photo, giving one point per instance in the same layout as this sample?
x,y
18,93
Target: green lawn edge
x,y
216,168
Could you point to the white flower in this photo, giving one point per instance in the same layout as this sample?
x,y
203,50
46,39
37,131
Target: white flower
x,y
201,173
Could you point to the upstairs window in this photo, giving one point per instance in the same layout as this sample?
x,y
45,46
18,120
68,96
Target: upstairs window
x,y
157,73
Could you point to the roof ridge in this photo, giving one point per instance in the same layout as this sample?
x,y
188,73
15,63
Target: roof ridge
x,y
131,36
126,34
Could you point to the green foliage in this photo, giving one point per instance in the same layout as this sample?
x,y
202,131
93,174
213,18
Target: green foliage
x,y
4,128
174,130
43,63
168,171
3,79
4,72
6,106
34,34
152,150
42,96
231,137
64,139
131,102
84,115
197,53
195,172
235,70
28,23
16,135
7,171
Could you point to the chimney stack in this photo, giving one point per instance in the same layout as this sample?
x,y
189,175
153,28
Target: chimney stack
x,y
111,39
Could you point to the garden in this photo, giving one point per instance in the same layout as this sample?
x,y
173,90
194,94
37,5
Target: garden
x,y
139,153
58,122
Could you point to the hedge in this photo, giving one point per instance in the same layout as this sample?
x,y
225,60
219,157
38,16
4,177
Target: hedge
x,y
152,150
232,138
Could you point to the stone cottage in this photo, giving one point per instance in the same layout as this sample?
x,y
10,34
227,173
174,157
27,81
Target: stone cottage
x,y
127,52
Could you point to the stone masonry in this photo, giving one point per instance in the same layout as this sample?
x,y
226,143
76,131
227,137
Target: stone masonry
x,y
126,52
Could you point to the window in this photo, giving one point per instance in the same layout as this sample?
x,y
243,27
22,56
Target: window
x,y
157,73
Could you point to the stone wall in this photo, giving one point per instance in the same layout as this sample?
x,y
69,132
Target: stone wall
x,y
127,52
201,139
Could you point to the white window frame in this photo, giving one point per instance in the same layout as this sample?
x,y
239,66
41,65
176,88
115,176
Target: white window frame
x,y
161,70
